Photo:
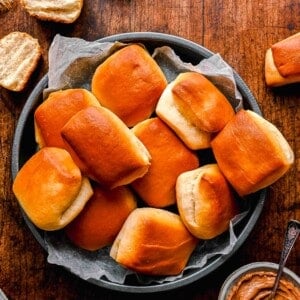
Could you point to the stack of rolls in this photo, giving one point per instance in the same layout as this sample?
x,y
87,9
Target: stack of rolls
x,y
121,165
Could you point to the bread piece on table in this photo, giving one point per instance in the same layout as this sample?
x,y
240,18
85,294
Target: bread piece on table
x,y
62,11
251,152
102,218
19,56
201,102
129,83
111,153
153,241
169,158
51,189
167,110
282,62
205,201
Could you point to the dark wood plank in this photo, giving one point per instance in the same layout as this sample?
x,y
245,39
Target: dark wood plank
x,y
240,31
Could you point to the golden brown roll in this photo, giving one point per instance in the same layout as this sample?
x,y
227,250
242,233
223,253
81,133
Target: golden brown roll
x,y
170,157
111,153
129,83
282,62
193,137
251,152
153,241
102,218
52,114
201,102
51,189
205,201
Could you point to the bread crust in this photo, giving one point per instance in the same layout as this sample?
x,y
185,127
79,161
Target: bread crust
x,y
129,83
51,189
100,221
111,153
62,11
191,135
201,102
282,62
205,201
53,113
153,241
169,158
251,152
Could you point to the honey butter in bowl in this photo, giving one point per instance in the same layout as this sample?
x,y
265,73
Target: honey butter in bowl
x,y
255,281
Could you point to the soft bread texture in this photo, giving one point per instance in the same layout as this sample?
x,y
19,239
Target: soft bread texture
x,y
111,153
169,158
251,152
51,189
282,62
19,56
201,102
153,241
102,218
192,136
129,83
205,201
5,5
62,11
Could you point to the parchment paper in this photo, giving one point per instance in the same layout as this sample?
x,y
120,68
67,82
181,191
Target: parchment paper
x,y
72,62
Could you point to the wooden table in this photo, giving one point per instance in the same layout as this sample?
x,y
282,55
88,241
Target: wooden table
x,y
240,31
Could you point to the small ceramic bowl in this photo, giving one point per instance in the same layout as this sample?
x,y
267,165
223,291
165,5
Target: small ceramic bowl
x,y
233,279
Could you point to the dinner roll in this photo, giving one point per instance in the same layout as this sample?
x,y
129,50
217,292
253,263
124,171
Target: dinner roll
x,y
282,62
111,153
153,241
251,152
205,201
193,137
62,11
170,157
19,56
53,113
129,83
201,102
51,189
102,218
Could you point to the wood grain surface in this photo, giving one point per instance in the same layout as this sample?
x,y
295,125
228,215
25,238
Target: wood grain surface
x,y
240,31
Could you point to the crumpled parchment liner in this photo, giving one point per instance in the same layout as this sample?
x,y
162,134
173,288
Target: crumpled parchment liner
x,y
72,62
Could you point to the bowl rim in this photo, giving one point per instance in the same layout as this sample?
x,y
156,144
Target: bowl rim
x,y
252,267
178,43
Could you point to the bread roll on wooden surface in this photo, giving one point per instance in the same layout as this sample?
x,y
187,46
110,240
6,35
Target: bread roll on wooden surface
x,y
191,135
251,152
100,221
205,201
282,62
51,189
201,102
129,83
19,56
111,153
153,241
62,11
169,158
